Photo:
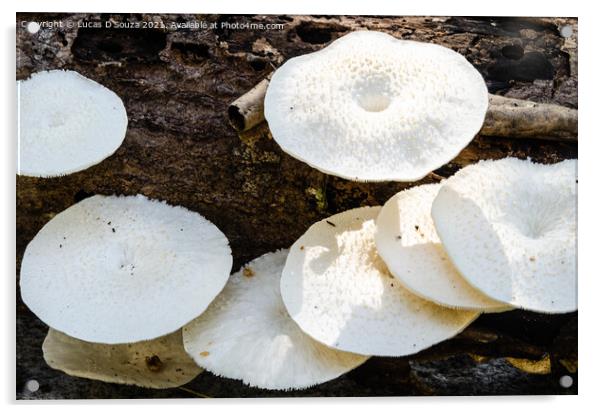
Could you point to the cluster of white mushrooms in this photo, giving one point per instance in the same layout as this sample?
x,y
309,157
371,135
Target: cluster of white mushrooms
x,y
136,291
395,280
117,278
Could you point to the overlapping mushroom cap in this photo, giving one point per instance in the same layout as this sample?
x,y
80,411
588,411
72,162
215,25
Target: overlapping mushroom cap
x,y
510,227
67,123
160,363
247,334
339,291
123,269
408,243
371,107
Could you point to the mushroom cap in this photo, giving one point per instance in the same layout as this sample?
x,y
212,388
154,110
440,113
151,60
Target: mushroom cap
x,y
408,243
159,364
67,123
247,334
123,269
371,107
510,228
339,291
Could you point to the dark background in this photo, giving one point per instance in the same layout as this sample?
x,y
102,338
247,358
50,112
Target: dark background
x,y
176,87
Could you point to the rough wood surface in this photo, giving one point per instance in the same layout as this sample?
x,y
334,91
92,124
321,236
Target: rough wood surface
x,y
177,85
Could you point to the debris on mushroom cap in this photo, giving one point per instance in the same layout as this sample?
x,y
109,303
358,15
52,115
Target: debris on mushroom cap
x,y
158,270
408,243
510,228
247,334
160,363
340,292
67,123
371,107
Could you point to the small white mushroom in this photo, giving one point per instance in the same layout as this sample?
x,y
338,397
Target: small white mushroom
x,y
67,123
371,107
339,291
247,334
123,269
510,227
160,363
408,243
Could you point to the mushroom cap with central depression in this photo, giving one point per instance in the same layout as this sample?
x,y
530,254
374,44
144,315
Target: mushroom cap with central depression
x,y
247,334
339,291
123,269
370,107
510,227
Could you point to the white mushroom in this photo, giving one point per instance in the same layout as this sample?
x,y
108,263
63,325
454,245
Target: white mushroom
x,y
67,123
123,269
160,363
374,108
510,227
408,243
339,291
247,334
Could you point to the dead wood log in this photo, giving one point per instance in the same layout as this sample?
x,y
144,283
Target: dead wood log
x,y
177,86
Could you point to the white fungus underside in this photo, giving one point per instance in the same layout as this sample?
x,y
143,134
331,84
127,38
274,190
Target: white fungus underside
x,y
339,291
122,363
123,269
67,123
408,243
510,227
247,334
371,107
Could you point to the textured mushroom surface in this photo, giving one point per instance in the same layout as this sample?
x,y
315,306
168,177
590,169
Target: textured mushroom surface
x,y
371,107
67,123
247,334
123,269
408,243
510,227
339,291
160,363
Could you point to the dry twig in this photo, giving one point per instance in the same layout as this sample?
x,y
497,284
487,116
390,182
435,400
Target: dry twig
x,y
506,117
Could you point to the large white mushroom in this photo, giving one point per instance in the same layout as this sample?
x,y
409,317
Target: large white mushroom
x,y
339,291
247,334
510,227
408,243
67,123
371,107
123,269
160,363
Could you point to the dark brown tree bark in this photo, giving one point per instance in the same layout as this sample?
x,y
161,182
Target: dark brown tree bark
x,y
177,86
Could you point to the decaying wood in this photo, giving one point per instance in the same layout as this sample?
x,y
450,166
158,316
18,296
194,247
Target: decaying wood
x,y
177,86
516,118
506,117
